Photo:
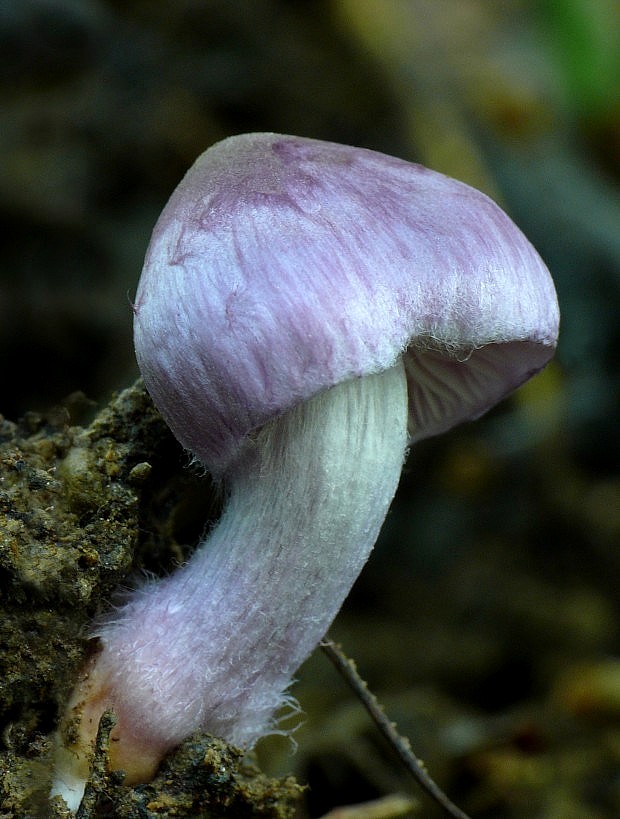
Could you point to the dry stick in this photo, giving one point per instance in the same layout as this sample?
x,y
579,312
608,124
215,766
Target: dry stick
x,y
99,772
401,745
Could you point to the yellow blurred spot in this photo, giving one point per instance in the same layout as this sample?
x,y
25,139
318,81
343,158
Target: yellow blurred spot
x,y
541,401
466,470
591,690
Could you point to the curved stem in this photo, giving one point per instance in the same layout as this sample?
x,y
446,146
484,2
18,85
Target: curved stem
x,y
214,646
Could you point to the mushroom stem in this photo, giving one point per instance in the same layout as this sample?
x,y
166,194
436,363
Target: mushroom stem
x,y
214,646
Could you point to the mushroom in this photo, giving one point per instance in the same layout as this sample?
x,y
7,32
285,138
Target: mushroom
x,y
306,311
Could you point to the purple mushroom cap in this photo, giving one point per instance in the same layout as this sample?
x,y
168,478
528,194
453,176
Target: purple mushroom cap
x,y
282,266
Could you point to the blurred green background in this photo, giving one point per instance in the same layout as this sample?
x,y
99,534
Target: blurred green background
x,y
487,619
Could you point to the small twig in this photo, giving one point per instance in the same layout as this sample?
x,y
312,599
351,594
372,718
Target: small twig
x,y
99,771
400,744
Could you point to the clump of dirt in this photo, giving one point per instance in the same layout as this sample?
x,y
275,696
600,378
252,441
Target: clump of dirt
x,y
81,508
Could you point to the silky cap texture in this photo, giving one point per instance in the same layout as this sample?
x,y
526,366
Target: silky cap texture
x,y
282,266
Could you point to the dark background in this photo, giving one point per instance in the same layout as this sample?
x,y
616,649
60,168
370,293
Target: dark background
x,y
487,619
